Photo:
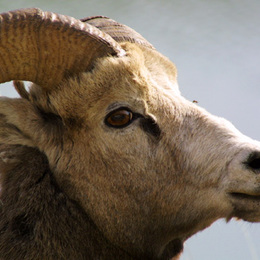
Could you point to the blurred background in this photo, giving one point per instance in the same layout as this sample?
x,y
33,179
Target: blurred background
x,y
216,47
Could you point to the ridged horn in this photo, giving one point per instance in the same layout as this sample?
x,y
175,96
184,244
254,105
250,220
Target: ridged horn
x,y
119,32
45,47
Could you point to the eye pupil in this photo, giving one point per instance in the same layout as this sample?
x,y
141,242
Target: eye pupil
x,y
119,118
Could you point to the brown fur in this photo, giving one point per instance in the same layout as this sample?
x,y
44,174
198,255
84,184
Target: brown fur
x,y
145,193
38,220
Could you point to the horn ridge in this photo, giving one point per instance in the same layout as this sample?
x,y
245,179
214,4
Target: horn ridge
x,y
45,47
119,32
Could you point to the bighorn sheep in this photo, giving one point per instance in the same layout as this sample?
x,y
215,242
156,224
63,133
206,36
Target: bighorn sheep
x,y
102,158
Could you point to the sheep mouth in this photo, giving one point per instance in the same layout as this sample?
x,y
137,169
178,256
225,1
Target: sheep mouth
x,y
245,197
245,206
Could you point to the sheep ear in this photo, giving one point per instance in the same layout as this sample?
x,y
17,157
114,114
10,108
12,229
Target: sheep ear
x,y
21,90
119,32
44,47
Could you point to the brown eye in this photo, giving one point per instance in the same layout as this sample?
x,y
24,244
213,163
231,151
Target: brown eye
x,y
119,118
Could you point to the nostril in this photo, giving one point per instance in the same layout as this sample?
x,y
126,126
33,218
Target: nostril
x,y
253,162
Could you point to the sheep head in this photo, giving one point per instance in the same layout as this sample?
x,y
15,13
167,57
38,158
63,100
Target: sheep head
x,y
148,166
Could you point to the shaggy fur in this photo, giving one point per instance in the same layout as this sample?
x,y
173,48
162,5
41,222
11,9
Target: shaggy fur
x,y
39,221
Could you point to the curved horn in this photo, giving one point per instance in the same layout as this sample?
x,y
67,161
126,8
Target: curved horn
x,y
45,47
119,32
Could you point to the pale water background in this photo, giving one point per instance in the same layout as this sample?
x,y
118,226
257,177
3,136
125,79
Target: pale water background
x,y
216,47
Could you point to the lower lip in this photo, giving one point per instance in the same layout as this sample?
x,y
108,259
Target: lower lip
x,y
242,196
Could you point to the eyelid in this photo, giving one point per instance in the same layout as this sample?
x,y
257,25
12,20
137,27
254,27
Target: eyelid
x,y
136,106
110,112
117,106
